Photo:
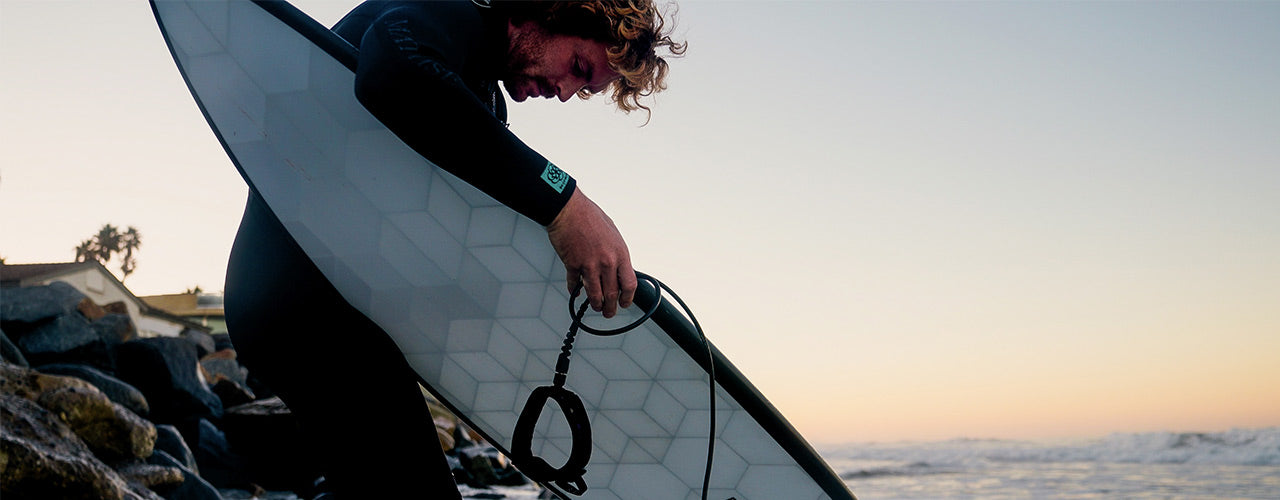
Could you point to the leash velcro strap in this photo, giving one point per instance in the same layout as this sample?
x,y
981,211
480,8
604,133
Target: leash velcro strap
x,y
568,476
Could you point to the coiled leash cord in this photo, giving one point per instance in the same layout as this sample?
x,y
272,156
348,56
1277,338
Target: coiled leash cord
x,y
569,475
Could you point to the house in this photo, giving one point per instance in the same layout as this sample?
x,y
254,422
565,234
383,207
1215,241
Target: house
x,y
202,308
102,287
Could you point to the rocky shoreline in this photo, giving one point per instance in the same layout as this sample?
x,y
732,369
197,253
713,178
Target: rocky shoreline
x,y
91,411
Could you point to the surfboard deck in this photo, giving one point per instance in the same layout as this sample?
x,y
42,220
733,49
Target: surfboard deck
x,y
471,292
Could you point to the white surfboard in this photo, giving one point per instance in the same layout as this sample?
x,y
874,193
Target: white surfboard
x,y
471,291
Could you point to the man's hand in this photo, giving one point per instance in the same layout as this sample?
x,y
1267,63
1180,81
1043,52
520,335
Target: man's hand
x,y
594,253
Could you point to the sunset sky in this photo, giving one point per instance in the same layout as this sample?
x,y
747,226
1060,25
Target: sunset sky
x,y
901,220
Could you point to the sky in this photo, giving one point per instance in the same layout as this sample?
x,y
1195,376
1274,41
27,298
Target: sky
x,y
901,220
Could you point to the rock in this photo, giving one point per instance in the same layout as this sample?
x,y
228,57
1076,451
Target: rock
x,y
90,309
115,328
478,468
219,465
485,466
119,392
111,431
170,441
30,384
33,304
193,486
268,436
117,307
272,408
10,353
165,370
48,449
229,379
42,458
231,393
150,476
223,364
445,429
204,342
259,493
222,342
68,338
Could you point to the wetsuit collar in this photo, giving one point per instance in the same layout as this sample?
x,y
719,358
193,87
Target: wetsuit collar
x,y
495,34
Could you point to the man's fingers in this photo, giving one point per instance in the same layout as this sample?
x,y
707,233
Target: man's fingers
x,y
609,285
627,284
595,296
608,290
572,278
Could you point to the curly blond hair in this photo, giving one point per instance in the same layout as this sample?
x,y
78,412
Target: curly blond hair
x,y
634,31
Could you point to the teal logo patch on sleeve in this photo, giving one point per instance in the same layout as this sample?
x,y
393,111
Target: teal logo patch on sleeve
x,y
555,177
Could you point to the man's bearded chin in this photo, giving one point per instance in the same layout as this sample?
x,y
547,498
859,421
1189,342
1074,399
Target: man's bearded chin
x,y
511,84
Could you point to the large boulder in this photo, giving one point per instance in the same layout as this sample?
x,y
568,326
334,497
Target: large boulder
x,y
166,371
43,458
117,390
109,429
30,384
40,457
33,304
68,338
113,433
57,431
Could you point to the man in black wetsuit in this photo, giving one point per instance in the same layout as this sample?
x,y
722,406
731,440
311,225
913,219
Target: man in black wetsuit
x,y
430,72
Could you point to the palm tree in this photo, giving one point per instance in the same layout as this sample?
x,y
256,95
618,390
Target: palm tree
x,y
86,251
110,241
129,242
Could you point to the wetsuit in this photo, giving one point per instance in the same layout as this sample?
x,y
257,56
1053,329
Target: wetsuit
x,y
428,71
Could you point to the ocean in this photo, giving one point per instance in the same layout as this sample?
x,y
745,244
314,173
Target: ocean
x,y
1237,464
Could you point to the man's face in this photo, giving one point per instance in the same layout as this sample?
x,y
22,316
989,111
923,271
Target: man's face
x,y
545,65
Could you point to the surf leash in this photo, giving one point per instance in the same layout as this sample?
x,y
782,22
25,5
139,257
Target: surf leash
x,y
569,475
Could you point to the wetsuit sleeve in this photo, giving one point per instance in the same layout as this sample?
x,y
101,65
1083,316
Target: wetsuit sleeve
x,y
408,78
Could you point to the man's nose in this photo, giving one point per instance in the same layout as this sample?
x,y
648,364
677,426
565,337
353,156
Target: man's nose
x,y
567,89
565,93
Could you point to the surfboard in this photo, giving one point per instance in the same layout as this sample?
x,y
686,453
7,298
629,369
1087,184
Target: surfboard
x,y
471,292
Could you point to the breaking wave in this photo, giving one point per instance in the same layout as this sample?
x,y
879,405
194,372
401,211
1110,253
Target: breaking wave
x,y
1260,447
1234,447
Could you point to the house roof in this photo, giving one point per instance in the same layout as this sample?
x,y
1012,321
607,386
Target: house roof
x,y
15,274
187,304
12,275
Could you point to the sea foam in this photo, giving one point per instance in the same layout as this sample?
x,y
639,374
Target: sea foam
x,y
1234,447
